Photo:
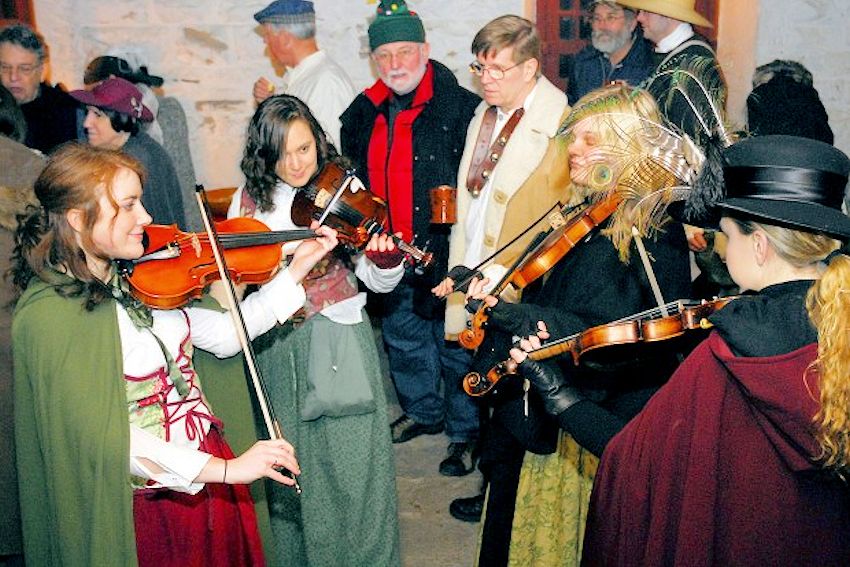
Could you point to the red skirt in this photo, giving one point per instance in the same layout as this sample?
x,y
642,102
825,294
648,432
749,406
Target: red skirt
x,y
216,526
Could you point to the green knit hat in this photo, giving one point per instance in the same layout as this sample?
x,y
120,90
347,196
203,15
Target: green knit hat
x,y
394,22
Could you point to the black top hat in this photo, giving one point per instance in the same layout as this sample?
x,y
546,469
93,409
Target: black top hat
x,y
787,180
101,68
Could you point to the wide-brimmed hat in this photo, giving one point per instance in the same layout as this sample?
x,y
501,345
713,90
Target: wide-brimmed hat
x,y
682,10
101,68
116,94
787,180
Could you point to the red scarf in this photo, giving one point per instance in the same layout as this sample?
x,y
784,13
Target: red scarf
x,y
396,163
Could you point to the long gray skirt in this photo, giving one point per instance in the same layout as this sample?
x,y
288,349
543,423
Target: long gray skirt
x,y
347,514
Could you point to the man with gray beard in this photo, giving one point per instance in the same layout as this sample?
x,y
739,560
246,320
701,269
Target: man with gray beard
x,y
618,51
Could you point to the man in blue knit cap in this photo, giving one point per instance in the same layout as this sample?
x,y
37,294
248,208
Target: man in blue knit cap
x,y
289,30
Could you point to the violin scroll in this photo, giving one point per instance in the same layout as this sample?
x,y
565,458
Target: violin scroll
x,y
477,385
472,337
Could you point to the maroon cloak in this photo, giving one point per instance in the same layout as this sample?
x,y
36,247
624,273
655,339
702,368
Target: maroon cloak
x,y
719,469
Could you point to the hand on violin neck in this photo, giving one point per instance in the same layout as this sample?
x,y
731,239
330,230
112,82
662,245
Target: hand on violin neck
x,y
457,279
549,382
443,288
383,252
311,251
476,297
531,342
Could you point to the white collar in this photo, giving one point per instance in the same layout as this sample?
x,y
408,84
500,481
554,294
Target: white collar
x,y
680,35
503,116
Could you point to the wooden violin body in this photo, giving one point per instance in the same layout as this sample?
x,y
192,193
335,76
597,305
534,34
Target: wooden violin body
x,y
355,215
177,266
634,332
541,259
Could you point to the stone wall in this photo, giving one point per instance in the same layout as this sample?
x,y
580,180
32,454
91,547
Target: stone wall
x,y
210,52
813,32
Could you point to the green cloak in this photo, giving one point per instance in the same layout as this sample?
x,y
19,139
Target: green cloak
x,y
72,432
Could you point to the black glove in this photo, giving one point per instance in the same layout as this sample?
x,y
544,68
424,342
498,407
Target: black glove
x,y
550,385
513,318
462,276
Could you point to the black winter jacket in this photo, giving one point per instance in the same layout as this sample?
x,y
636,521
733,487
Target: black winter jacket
x,y
439,136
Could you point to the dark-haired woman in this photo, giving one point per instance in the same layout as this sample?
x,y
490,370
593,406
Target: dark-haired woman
x,y
324,376
114,112
120,458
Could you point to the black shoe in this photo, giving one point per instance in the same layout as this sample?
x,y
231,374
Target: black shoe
x,y
467,509
404,429
461,460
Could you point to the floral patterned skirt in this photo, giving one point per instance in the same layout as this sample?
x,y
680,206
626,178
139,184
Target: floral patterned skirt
x,y
551,506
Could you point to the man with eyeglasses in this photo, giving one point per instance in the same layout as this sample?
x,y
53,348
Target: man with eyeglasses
x,y
617,51
405,133
289,30
499,197
50,113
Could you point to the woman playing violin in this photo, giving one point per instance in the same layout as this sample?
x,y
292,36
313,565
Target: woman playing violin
x,y
616,144
324,377
120,457
742,457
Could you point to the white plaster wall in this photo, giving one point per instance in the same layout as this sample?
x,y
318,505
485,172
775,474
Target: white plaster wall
x,y
815,33
210,53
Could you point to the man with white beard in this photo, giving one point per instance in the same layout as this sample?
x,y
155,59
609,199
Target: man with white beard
x,y
406,135
618,51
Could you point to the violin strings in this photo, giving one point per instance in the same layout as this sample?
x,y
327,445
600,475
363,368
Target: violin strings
x,y
652,313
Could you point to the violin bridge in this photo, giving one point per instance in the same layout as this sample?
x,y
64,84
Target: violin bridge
x,y
322,198
556,219
196,245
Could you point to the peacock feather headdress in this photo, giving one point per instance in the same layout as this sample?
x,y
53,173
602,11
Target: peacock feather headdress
x,y
633,152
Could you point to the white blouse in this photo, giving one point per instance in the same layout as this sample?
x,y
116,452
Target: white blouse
x,y
186,421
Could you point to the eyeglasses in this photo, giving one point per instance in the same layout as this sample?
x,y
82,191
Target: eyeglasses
x,y
609,19
496,73
404,54
21,69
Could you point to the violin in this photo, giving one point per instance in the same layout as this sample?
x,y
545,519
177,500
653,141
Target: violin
x,y
647,327
541,258
177,266
355,215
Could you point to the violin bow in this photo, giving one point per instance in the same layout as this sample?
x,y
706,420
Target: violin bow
x,y
460,285
650,272
270,421
349,177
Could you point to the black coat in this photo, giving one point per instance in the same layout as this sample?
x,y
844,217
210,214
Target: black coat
x,y
674,107
439,136
590,286
51,118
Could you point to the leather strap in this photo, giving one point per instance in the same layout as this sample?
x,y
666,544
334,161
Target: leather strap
x,y
486,155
